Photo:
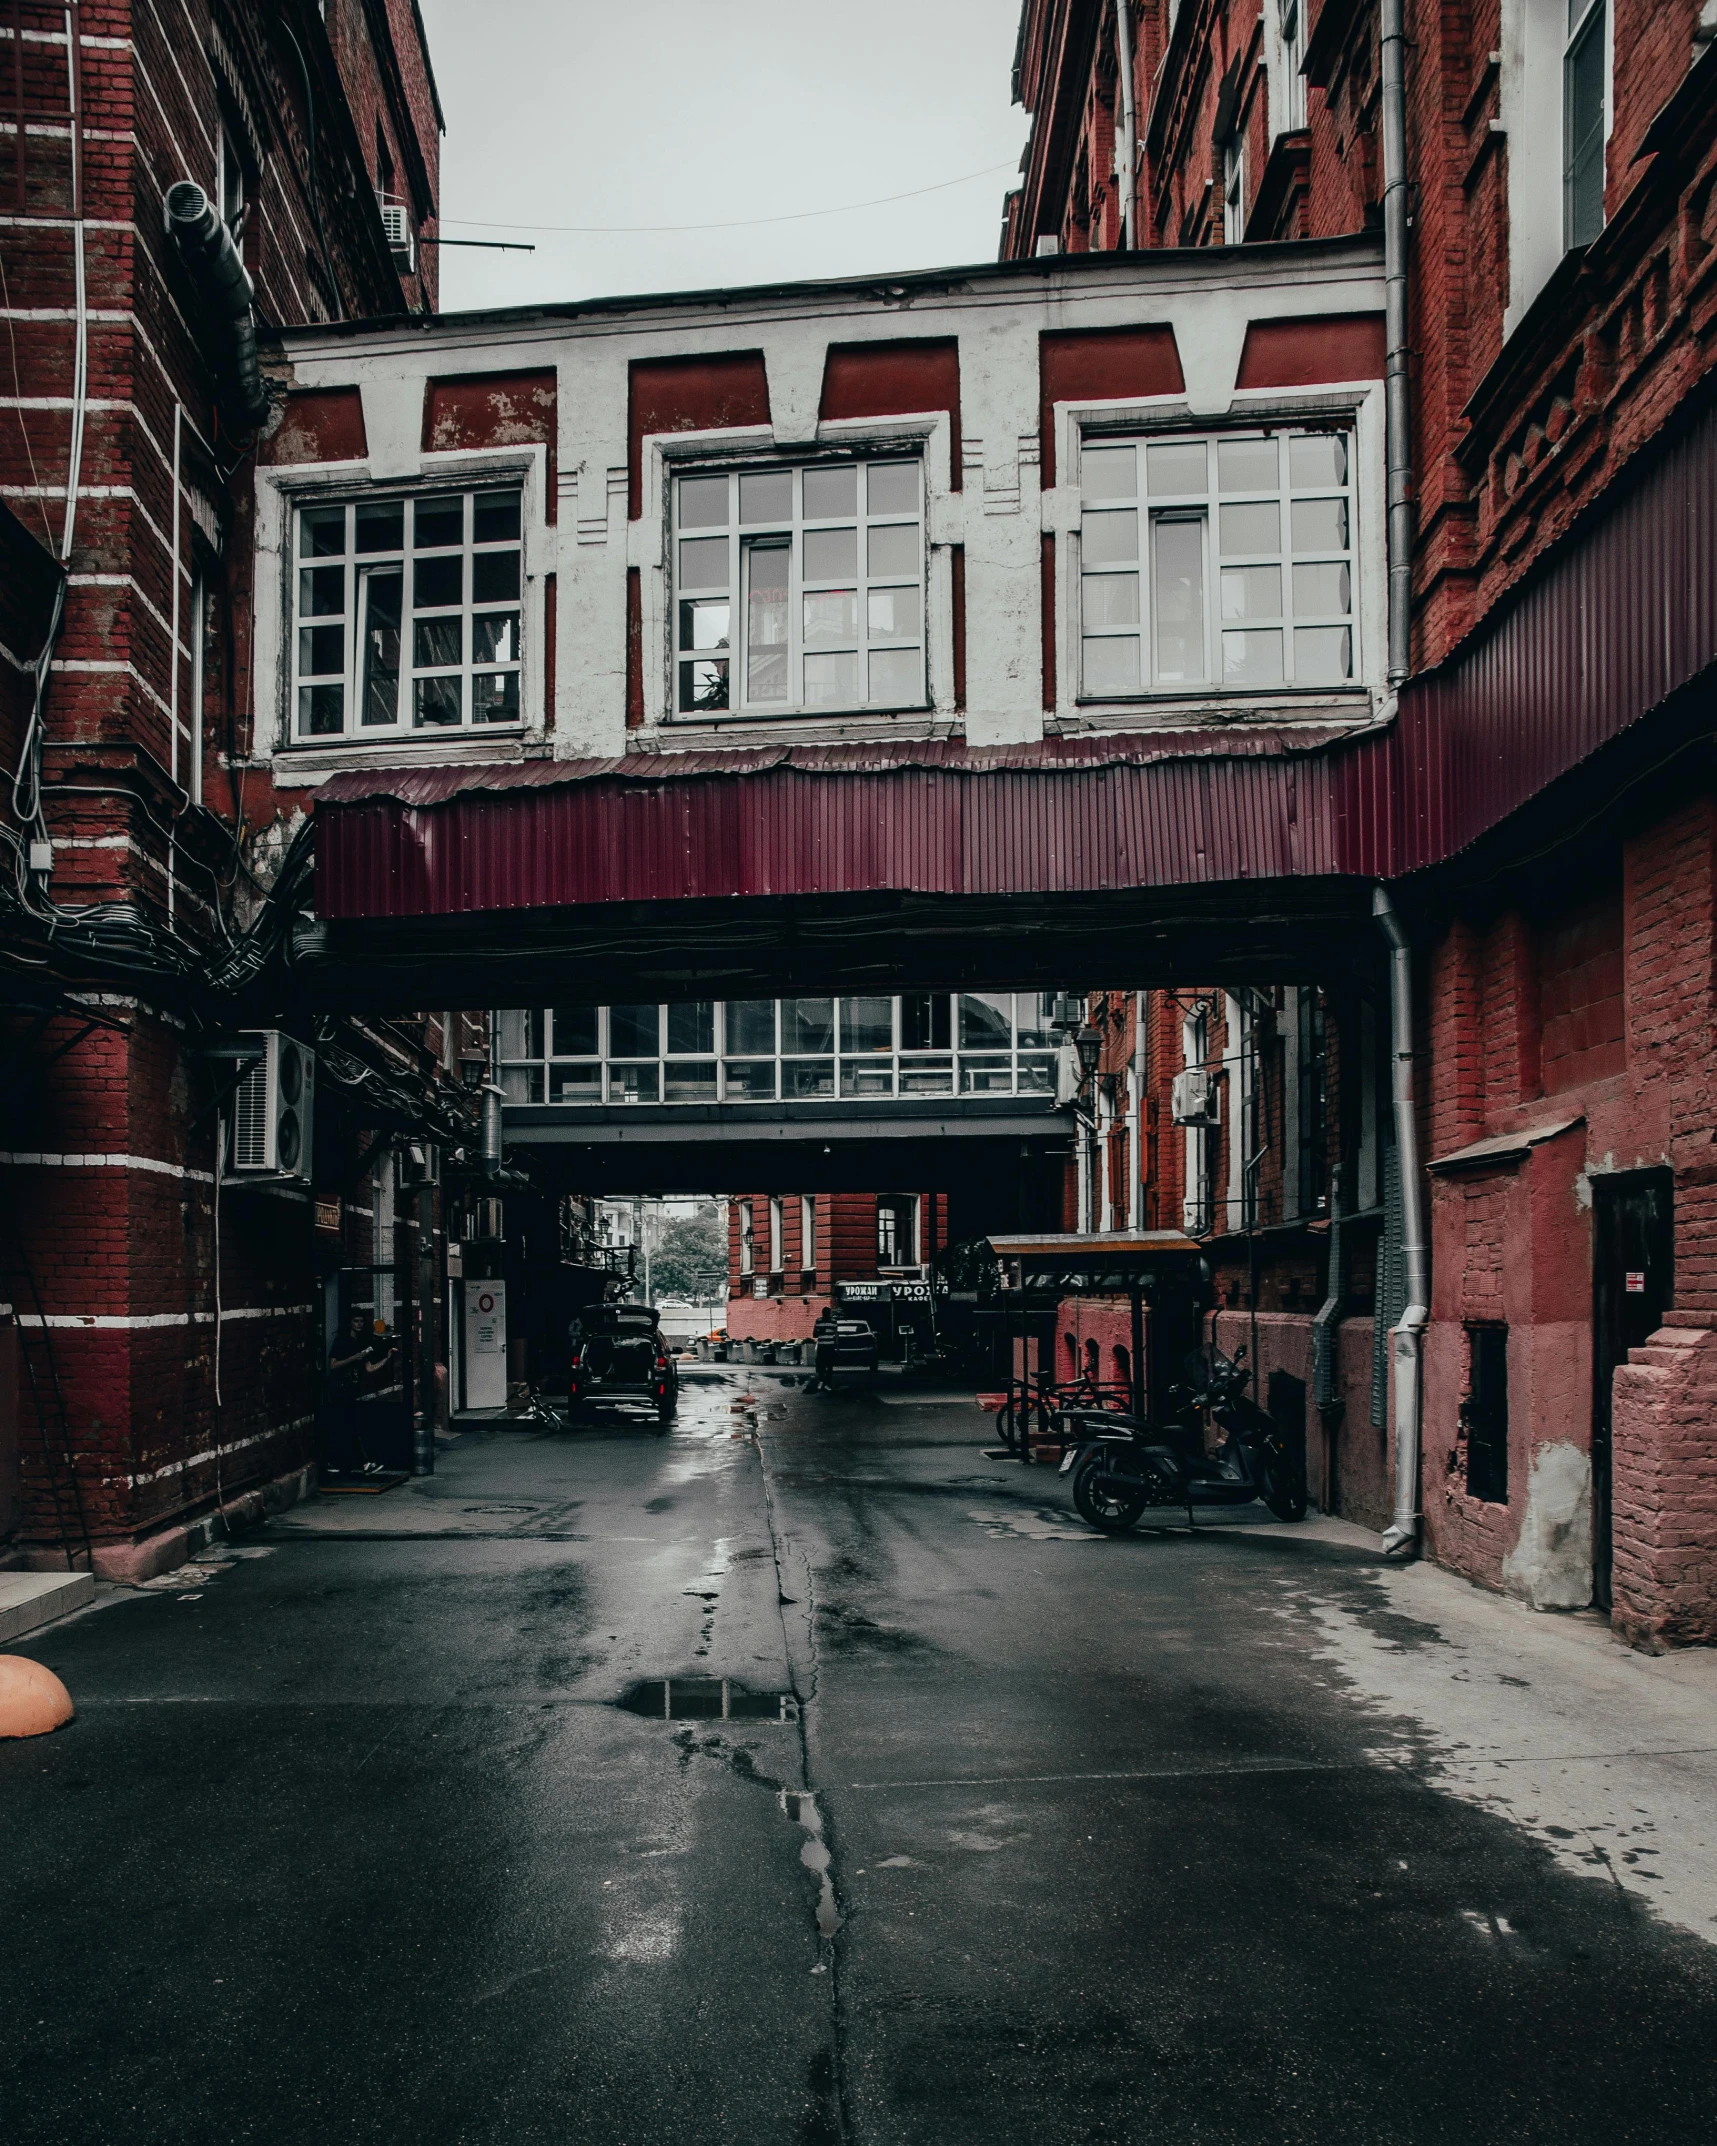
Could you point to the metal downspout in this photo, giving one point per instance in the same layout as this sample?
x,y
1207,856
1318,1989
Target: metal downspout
x,y
1397,440
1126,150
1408,1336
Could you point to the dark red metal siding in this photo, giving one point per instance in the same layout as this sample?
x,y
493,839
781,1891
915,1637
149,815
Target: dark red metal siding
x,y
1611,627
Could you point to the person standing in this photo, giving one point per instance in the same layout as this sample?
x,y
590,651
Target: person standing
x,y
825,1334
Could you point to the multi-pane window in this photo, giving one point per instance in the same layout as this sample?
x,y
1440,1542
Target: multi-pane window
x,y
897,1230
407,615
799,588
1293,21
926,1043
1234,189
1225,561
1585,72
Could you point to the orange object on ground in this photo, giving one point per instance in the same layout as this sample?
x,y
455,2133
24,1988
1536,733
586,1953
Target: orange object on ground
x,y
32,1699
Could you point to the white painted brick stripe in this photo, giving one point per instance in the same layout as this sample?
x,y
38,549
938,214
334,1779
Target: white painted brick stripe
x,y
137,1321
23,1161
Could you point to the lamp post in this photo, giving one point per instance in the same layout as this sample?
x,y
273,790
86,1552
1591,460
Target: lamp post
x,y
1088,1046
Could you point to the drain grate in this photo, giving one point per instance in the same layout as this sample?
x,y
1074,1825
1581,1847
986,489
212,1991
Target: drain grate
x,y
705,1699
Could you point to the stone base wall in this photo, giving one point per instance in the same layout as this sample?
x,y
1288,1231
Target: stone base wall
x,y
1664,1432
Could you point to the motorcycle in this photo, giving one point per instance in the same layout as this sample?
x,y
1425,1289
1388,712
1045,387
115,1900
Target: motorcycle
x,y
1122,1466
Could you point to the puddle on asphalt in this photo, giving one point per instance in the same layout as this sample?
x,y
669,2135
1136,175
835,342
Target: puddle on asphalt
x,y
801,1804
1039,1526
705,1699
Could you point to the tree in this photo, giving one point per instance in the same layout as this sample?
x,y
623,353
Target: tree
x,y
691,1258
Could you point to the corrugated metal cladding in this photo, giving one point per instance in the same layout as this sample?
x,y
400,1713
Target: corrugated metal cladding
x,y
1606,632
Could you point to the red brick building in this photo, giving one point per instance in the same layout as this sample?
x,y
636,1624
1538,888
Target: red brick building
x,y
791,1256
170,1268
1558,164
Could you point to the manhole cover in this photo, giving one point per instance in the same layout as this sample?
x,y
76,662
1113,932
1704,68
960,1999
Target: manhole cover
x,y
705,1699
500,1508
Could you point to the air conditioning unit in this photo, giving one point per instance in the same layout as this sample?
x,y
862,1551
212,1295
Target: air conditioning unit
x,y
1197,1100
273,1109
402,241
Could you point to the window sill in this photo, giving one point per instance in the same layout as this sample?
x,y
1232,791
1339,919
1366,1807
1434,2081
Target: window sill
x,y
308,762
1353,704
685,733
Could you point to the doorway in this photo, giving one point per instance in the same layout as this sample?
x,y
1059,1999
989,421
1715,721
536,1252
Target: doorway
x,y
1633,1281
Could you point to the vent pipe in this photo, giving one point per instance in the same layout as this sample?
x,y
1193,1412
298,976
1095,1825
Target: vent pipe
x,y
1407,1336
207,250
1398,452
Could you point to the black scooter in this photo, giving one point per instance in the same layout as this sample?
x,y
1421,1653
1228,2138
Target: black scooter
x,y
1122,1466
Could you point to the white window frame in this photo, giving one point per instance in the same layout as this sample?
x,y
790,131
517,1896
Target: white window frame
x,y
1532,109
358,572
1285,25
747,1240
1234,188
795,532
777,1233
1153,511
1587,21
807,1233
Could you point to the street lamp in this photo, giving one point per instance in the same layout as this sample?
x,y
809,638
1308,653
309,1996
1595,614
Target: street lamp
x,y
1089,1044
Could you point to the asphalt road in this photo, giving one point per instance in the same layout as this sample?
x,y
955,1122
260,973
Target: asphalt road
x,y
1061,1839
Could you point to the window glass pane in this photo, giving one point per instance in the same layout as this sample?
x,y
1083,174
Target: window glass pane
x,y
807,1024
703,502
437,522
321,710
495,697
751,1080
831,681
925,1018
894,614
1252,591
894,676
321,651
691,1028
1323,589
522,1084
322,591
1253,528
494,577
495,637
808,1077
927,1076
322,532
1320,525
705,623
766,496
1111,599
985,1076
574,1031
751,1026
829,492
690,1080
766,623
435,582
634,1031
436,702
634,1084
1108,472
1179,598
1252,659
575,1084
1323,655
381,528
1176,469
831,615
892,488
1112,665
893,548
1583,128
867,1076
495,518
384,594
1317,459
1109,539
831,554
1036,1076
1033,1012
986,1020
1248,466
438,641
703,563
703,686
867,1024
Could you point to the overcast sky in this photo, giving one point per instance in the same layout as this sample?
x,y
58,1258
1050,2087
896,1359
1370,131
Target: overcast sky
x,y
681,112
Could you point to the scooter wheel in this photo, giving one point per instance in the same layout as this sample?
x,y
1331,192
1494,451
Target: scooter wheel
x,y
1284,1486
1104,1499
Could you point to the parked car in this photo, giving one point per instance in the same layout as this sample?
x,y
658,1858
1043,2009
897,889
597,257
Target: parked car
x,y
619,1358
855,1346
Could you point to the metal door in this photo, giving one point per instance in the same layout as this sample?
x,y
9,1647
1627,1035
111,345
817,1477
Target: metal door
x,y
1633,1281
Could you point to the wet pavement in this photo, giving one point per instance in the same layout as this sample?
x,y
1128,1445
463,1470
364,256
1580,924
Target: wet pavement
x,y
955,1822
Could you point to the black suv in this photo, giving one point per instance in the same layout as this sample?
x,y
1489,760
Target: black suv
x,y
618,1356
